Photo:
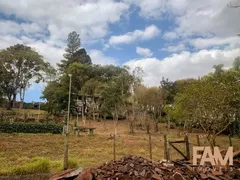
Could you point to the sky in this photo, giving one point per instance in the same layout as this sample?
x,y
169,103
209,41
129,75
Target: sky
x,y
175,39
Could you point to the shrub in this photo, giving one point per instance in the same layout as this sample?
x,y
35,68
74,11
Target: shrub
x,y
40,165
30,128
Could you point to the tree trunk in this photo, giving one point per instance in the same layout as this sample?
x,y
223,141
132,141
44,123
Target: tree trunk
x,y
93,113
10,103
115,120
156,126
22,96
82,108
104,121
184,126
147,123
131,124
131,128
133,118
148,128
190,129
168,123
211,140
14,100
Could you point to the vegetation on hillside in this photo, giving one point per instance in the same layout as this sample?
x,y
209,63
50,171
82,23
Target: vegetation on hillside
x,y
210,103
20,153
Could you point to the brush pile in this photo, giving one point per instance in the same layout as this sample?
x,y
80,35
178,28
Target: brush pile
x,y
135,167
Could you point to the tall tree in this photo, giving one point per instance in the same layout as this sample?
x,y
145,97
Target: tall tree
x,y
236,63
73,44
50,73
114,100
155,102
169,90
74,53
19,65
211,103
141,106
218,69
135,81
56,95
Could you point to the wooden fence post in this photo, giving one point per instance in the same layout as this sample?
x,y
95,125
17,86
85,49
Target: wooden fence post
x,y
114,147
198,140
166,149
230,140
150,146
187,147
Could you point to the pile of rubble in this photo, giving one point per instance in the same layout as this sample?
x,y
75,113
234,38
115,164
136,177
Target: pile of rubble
x,y
135,167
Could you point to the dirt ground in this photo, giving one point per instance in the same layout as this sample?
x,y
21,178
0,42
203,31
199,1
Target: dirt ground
x,y
92,151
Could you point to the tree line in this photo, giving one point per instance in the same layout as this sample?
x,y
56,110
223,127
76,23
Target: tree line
x,y
210,103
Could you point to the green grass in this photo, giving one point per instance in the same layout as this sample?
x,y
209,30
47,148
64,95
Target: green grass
x,y
38,165
21,153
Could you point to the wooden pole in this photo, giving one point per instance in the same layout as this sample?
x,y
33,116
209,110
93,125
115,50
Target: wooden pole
x,y
187,147
166,149
77,120
65,161
198,140
230,140
150,146
114,147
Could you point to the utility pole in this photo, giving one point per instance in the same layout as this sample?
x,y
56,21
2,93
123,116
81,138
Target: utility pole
x,y
66,130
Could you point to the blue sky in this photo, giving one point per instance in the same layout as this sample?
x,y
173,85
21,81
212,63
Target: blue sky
x,y
167,38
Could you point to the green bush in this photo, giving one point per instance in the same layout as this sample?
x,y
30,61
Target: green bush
x,y
40,165
30,128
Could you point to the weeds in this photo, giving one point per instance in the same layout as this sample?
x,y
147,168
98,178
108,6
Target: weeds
x,y
39,165
72,163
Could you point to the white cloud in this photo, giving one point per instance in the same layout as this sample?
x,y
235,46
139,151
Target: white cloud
x,y
146,34
11,27
170,35
50,53
183,65
150,9
45,24
99,58
89,18
208,17
201,43
8,40
144,51
205,18
177,48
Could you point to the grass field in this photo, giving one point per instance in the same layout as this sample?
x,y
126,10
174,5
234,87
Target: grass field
x,y
22,113
19,150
